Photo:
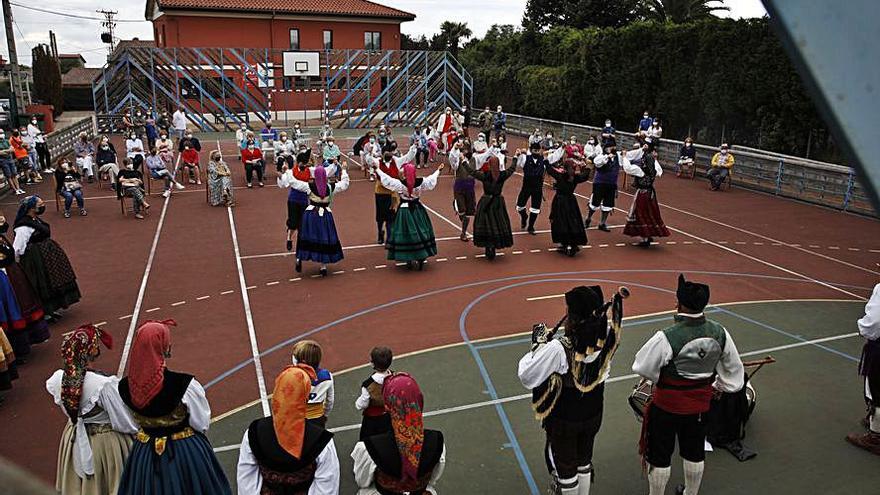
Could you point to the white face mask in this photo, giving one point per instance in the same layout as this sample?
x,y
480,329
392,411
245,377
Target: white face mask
x,y
34,122
607,123
283,138
189,136
130,166
573,141
133,136
646,116
250,147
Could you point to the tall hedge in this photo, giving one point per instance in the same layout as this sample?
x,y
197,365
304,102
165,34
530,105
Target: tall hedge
x,y
705,78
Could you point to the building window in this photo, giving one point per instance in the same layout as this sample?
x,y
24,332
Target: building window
x,y
328,40
372,40
294,39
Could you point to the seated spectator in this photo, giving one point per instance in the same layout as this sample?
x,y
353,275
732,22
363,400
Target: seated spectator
x,y
7,163
106,160
548,143
219,181
653,134
285,453
592,148
298,133
189,158
130,182
376,420
686,156
321,399
252,157
194,142
68,183
165,149
269,134
134,150
331,151
433,147
158,170
536,136
407,459
284,152
22,159
248,137
722,163
84,153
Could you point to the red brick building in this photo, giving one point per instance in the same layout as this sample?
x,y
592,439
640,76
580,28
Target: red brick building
x,y
276,24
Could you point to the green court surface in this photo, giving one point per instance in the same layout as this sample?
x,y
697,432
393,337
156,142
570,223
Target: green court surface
x,y
806,404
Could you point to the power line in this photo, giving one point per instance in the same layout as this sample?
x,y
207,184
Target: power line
x,y
75,16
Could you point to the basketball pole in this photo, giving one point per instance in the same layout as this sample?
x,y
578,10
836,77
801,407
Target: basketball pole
x,y
305,102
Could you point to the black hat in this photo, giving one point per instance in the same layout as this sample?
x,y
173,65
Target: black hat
x,y
692,295
582,301
535,146
304,156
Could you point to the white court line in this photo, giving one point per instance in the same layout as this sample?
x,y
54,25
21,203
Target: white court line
x,y
513,398
252,334
450,222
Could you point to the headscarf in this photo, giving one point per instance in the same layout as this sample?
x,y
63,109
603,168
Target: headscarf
x,y
692,295
321,180
78,349
146,368
404,403
289,399
494,167
23,208
409,174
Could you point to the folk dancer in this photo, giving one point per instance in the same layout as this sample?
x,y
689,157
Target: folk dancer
x,y
566,226
644,220
285,453
463,196
534,166
317,239
869,368
566,374
412,235
687,362
297,200
320,400
491,225
387,200
406,459
604,187
371,404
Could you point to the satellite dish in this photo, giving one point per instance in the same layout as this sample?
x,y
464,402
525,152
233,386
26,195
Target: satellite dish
x,y
106,38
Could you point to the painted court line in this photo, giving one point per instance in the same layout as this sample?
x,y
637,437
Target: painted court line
x,y
252,334
225,292
178,303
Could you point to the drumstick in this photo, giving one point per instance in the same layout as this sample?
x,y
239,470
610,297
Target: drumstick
x,y
758,365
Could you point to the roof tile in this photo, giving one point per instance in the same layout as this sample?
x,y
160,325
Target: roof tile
x,y
321,7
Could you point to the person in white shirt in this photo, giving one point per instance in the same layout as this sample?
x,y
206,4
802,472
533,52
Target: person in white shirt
x,y
285,149
869,368
375,419
178,120
33,161
322,397
592,149
285,453
41,148
134,150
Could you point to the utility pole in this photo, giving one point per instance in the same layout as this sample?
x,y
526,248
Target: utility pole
x,y
16,103
109,23
53,45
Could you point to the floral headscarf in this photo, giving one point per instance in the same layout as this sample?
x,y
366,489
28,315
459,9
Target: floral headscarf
x,y
409,174
146,368
78,349
292,389
404,403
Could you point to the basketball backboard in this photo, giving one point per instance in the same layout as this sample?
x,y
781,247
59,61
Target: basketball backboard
x,y
302,64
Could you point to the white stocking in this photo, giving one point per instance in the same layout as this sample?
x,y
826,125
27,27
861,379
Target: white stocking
x,y
693,476
657,479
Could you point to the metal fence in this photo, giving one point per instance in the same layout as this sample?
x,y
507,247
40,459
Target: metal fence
x,y
61,142
825,184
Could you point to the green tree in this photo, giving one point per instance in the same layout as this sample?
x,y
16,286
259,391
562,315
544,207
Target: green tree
x,y
47,78
681,11
408,42
544,14
450,36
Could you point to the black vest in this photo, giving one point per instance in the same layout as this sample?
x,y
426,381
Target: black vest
x,y
383,450
165,403
533,171
273,458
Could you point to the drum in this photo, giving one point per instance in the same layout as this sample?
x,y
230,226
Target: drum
x,y
642,393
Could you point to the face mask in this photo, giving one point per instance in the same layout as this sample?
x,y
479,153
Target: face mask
x,y
592,142
34,122
607,123
133,136
688,144
2,136
41,210
164,137
250,147
130,166
283,138
646,116
573,141
372,140
4,228
189,136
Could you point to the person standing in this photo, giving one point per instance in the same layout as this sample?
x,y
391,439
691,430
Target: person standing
x,y
608,135
604,187
534,166
566,374
499,123
151,131
491,223
566,228
178,120
869,369
644,220
466,119
387,200
463,196
163,122
687,362
485,120
285,453
41,148
7,161
446,129
31,146
722,164
371,404
21,152
297,200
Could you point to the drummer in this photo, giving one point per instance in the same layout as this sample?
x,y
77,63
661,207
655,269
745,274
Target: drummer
x,y
688,362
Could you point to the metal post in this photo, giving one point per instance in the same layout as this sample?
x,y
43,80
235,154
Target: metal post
x,y
305,98
779,172
153,86
223,92
850,184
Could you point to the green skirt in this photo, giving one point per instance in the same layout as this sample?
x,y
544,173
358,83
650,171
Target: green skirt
x,y
412,235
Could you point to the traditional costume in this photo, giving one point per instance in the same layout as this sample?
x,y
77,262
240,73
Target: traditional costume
x,y
446,129
406,460
36,328
44,262
376,419
387,201
604,188
534,165
686,362
492,225
567,377
869,369
320,400
172,455
412,235
463,196
297,201
644,218
97,438
317,239
566,226
285,454
8,369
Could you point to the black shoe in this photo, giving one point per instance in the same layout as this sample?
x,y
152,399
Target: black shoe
x,y
289,245
323,272
522,219
604,228
569,251
587,223
381,238
299,266
421,265
644,244
532,231
679,490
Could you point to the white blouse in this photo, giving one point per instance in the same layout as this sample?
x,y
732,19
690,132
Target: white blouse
x,y
395,185
285,148
250,481
288,180
626,158
869,325
372,160
365,470
363,401
537,366
101,391
22,236
133,144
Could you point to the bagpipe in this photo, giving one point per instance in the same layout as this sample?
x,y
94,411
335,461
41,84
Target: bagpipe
x,y
541,334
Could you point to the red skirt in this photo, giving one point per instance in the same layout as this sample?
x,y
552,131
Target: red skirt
x,y
644,218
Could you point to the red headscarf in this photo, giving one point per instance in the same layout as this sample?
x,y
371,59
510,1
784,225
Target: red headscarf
x,y
292,388
404,403
409,174
321,180
146,369
494,167
78,349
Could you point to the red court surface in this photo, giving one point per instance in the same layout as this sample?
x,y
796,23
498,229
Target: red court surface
x,y
191,262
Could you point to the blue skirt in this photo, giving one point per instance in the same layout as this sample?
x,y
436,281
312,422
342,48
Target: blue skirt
x,y
187,466
317,239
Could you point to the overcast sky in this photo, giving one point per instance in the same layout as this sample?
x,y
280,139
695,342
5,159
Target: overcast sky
x,y
82,36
